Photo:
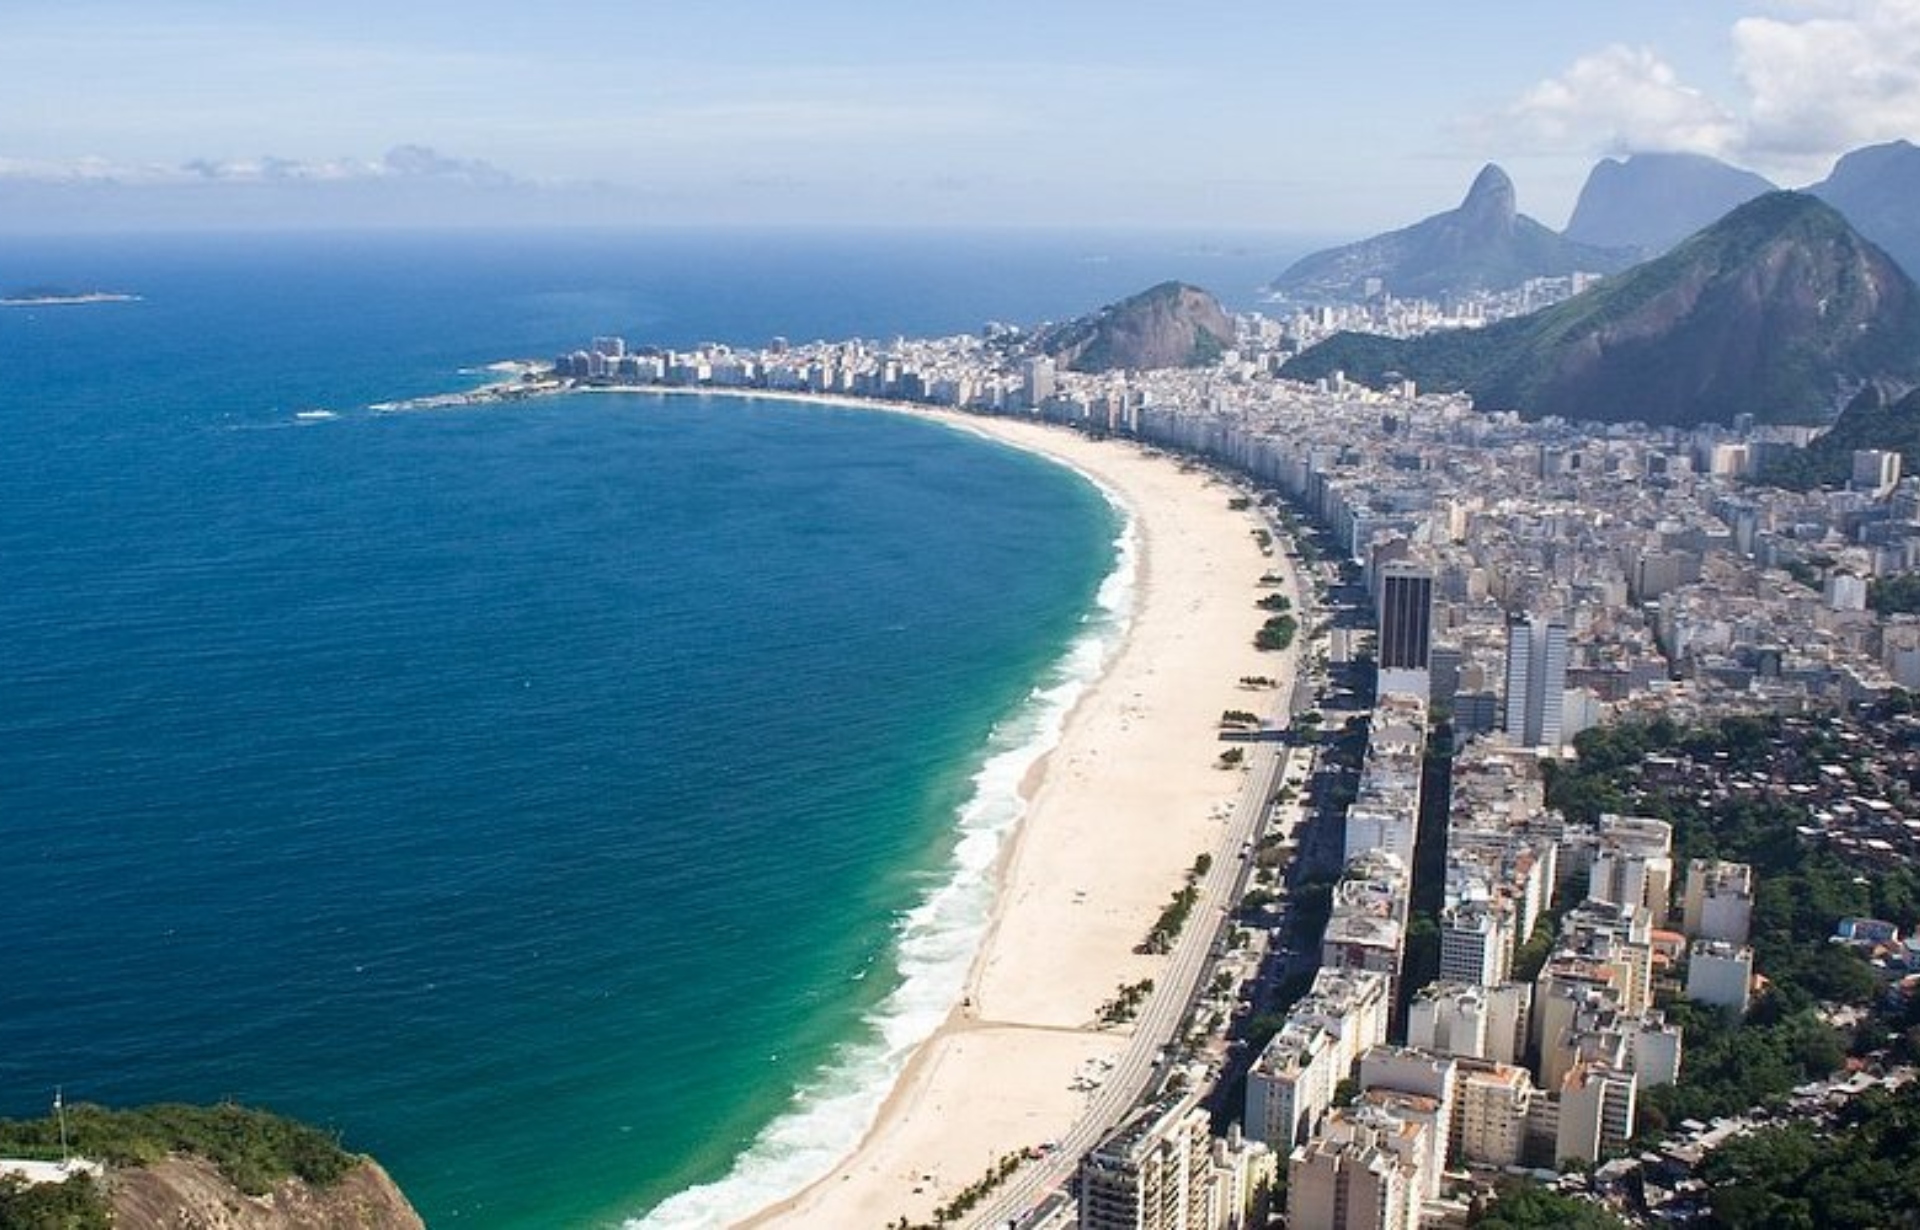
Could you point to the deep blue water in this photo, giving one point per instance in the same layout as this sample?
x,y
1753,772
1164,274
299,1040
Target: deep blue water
x,y
538,795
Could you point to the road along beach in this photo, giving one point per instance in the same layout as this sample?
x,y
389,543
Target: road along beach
x,y
1117,815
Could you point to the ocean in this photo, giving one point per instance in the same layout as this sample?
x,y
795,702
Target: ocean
x,y
582,805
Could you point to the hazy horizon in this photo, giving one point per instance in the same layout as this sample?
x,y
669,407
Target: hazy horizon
x,y
212,115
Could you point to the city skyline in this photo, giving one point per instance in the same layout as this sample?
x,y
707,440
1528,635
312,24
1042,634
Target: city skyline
x,y
1322,122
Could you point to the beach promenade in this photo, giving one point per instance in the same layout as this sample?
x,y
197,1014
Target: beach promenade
x,y
1117,816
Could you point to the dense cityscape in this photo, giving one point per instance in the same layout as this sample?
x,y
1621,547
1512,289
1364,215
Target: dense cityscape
x,y
895,725
1403,1020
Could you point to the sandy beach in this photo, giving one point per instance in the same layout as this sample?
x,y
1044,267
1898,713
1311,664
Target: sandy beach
x,y
1117,814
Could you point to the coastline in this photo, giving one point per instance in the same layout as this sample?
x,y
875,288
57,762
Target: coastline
x,y
1115,815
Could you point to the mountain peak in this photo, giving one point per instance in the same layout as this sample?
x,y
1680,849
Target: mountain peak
x,y
1875,187
1874,157
1168,325
1492,196
1650,202
1484,245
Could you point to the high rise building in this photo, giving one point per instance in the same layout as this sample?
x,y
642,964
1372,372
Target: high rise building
x,y
1875,470
1464,1019
1596,1112
1415,1085
1406,628
1155,1172
1477,942
1494,1101
1536,681
1633,864
1292,1083
1719,901
1037,381
1362,1174
1244,1176
1721,974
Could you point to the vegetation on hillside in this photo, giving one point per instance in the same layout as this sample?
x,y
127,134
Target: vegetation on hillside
x,y
1866,1173
1528,1206
1802,891
77,1204
1895,595
1169,325
1870,421
252,1148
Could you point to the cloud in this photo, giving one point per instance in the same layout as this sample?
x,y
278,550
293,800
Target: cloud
x,y
404,163
1817,78
1617,100
424,162
1846,73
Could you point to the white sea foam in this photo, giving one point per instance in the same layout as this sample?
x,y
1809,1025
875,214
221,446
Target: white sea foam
x,y
936,942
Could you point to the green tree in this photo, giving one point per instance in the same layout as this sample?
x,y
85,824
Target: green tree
x,y
77,1204
1528,1206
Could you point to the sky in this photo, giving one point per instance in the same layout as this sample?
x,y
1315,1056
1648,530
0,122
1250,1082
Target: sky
x,y
1308,118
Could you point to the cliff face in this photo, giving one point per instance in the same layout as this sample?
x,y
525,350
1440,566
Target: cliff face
x,y
1485,244
1170,325
1650,202
1778,310
187,1191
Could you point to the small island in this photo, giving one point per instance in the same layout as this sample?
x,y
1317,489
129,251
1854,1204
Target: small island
x,y
56,296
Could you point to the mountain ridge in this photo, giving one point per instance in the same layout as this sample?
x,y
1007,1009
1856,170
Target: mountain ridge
x,y
1778,310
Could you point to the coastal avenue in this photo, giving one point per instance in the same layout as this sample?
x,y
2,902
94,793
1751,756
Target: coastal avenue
x,y
1172,996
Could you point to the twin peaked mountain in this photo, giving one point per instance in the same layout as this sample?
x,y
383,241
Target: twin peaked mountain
x,y
1629,210
1776,306
1778,310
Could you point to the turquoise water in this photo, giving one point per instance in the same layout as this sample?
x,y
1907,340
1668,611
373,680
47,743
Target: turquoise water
x,y
571,803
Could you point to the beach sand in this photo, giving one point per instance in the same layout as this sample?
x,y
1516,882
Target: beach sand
x,y
1118,813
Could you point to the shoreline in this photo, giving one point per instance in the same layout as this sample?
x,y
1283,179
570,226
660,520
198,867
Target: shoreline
x,y
1113,816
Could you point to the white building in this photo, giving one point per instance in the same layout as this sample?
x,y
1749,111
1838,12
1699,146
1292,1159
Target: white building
x,y
1366,929
1720,974
1846,592
1596,1112
1378,825
1462,1019
1477,942
1718,904
1449,1018
1875,470
1633,864
1291,1085
1155,1172
1653,1049
1536,681
1495,1101
1244,1173
1415,1085
1362,1174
